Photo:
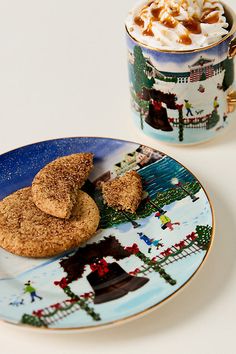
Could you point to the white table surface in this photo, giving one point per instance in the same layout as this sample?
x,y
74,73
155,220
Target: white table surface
x,y
62,74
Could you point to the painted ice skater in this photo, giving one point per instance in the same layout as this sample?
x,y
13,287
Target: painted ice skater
x,y
150,241
31,290
188,107
166,222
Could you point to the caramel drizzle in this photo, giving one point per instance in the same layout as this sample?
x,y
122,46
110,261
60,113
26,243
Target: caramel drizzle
x,y
148,31
185,39
156,11
138,21
169,22
175,12
214,18
192,25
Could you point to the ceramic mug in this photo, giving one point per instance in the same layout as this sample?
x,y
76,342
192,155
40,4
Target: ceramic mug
x,y
183,97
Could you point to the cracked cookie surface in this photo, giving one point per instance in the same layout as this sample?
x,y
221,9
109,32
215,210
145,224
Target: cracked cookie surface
x,y
27,231
55,187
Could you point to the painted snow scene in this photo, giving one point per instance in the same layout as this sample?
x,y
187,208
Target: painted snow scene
x,y
134,262
180,98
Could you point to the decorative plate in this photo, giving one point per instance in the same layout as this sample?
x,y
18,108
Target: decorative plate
x,y
133,263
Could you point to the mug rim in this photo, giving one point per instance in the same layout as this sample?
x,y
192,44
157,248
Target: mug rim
x,y
227,8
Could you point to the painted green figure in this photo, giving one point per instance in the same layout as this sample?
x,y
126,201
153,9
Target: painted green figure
x,y
32,291
188,107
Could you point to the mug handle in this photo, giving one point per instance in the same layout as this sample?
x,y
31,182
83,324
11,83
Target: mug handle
x,y
232,48
231,97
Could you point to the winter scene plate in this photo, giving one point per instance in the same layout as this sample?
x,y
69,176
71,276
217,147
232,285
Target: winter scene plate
x,y
134,262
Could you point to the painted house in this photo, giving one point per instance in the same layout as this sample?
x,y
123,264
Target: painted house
x,y
141,157
129,163
134,160
146,155
178,77
202,69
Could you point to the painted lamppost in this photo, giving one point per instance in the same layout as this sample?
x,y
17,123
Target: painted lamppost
x,y
148,200
134,223
178,184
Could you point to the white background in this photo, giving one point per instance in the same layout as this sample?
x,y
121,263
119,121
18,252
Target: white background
x,y
63,73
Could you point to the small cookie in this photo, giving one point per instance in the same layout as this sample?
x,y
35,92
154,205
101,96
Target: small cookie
x,y
27,231
55,187
123,193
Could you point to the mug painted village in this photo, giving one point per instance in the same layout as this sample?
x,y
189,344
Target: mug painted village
x,y
183,97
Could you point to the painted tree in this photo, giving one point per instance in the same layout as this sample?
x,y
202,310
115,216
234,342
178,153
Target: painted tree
x,y
203,77
213,120
140,71
229,74
141,79
32,321
204,236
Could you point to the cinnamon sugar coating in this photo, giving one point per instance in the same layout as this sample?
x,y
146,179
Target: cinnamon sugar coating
x,y
56,186
27,231
123,193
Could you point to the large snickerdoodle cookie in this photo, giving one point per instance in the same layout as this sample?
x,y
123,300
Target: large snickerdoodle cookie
x,y
56,186
27,231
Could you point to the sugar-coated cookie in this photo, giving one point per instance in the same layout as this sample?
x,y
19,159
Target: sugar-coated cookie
x,y
55,187
27,231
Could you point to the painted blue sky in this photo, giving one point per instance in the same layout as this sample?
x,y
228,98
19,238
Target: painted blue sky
x,y
162,59
18,167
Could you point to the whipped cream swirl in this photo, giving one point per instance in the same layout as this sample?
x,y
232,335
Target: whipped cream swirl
x,y
178,24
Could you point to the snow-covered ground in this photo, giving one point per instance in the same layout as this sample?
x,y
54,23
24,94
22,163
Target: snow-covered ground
x,y
44,273
191,136
199,100
202,103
